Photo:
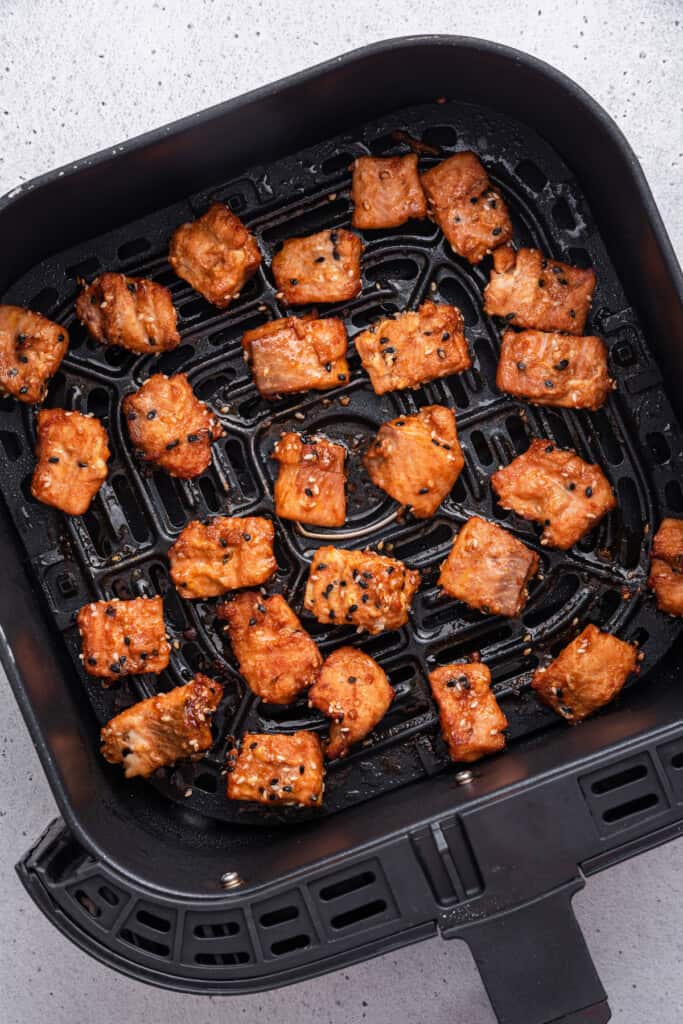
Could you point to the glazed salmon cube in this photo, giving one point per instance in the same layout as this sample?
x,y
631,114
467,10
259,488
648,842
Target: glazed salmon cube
x,y
215,254
123,638
586,675
471,214
414,348
488,569
159,731
274,652
72,452
666,566
472,724
554,369
530,290
324,267
310,487
353,691
31,351
226,553
556,488
417,459
170,427
292,354
275,768
372,592
386,191
130,312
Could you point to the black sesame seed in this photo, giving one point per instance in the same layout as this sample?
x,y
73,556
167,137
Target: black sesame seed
x,y
114,668
13,372
445,336
261,608
151,341
54,459
302,769
456,219
546,522
322,565
572,313
93,300
541,282
434,441
589,492
474,199
562,365
126,641
286,789
82,465
151,414
571,486
272,796
390,349
23,390
294,280
496,231
319,259
367,575
563,280
23,359
423,490
92,661
60,337
550,448
400,423
193,438
492,204
253,746
548,383
328,367
143,655
111,612
223,542
556,270
308,492
365,598
252,622
353,679
332,614
353,608
384,340
247,537
131,417
131,286
171,445
510,316
521,367
341,376
565,710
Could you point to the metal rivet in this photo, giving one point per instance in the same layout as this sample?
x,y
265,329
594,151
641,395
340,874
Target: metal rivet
x,y
231,880
462,778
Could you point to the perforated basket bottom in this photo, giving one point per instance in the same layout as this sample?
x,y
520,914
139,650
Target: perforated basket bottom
x,y
118,548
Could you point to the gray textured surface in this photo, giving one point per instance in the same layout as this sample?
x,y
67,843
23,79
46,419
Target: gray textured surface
x,y
78,76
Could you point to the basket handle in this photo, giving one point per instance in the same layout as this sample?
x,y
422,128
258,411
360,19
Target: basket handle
x,y
535,964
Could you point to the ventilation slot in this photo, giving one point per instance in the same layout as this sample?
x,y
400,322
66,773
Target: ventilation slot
x,y
659,448
456,294
87,903
350,917
86,268
637,771
348,885
677,761
280,916
219,930
10,443
144,942
441,136
135,247
158,924
290,945
222,959
393,270
631,807
340,162
531,175
562,215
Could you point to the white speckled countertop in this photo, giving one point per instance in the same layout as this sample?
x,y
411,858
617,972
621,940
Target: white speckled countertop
x,y
77,76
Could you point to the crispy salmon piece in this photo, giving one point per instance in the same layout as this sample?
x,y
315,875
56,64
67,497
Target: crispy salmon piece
x,y
386,191
161,730
587,674
170,427
227,553
417,459
554,369
472,724
666,566
31,351
530,290
215,254
414,347
274,652
130,312
324,267
274,768
556,488
369,591
123,638
297,354
352,690
310,487
472,215
488,569
72,452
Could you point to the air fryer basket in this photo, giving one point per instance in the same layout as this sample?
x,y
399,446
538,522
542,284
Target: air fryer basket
x,y
383,872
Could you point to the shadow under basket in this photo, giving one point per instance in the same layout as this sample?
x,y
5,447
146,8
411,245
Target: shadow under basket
x,y
167,880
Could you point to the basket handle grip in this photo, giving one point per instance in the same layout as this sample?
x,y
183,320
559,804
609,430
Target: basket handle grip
x,y
536,966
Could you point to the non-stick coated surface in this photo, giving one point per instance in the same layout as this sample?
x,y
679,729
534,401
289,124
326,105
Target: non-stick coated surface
x,y
118,548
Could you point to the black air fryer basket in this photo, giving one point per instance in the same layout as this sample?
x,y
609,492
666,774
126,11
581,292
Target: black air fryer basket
x,y
167,880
